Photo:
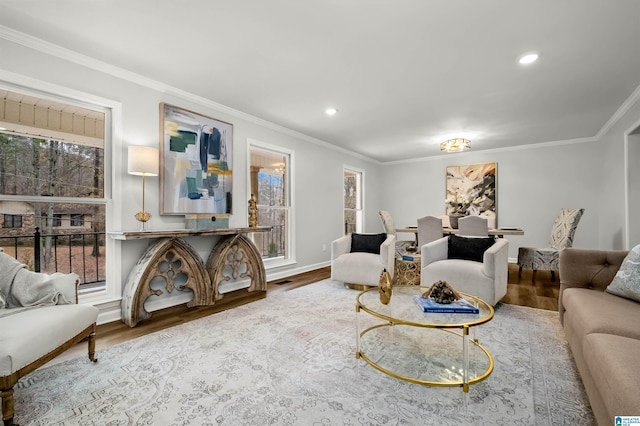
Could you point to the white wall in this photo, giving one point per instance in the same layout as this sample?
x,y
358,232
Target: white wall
x,y
612,167
318,166
633,179
533,184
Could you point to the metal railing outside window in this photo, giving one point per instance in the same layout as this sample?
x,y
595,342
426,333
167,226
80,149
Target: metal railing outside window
x,y
80,253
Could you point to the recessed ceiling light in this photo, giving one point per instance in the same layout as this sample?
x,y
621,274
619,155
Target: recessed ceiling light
x,y
331,111
528,58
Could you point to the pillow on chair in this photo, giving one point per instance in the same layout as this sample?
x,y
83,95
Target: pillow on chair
x,y
367,243
466,248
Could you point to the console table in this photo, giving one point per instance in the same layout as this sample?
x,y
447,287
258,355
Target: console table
x,y
234,257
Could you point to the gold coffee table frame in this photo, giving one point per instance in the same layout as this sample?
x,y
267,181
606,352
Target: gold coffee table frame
x,y
403,311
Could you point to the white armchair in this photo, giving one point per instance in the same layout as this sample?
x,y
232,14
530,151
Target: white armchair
x,y
361,268
486,279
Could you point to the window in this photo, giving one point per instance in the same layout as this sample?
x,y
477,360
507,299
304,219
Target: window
x,y
270,172
352,201
12,221
51,167
77,219
57,220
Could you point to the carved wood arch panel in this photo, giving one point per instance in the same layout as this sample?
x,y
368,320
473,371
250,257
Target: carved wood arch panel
x,y
236,257
166,258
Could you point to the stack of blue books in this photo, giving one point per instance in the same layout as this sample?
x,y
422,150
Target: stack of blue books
x,y
460,306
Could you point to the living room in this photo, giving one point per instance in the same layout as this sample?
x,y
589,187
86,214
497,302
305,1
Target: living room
x,y
585,169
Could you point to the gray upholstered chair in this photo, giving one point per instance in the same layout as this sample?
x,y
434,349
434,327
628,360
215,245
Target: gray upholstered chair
x,y
547,258
360,266
429,229
486,276
473,226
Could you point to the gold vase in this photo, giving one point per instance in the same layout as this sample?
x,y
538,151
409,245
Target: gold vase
x,y
385,287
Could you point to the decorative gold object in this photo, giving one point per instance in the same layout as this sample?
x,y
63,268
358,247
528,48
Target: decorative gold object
x,y
253,212
441,292
384,287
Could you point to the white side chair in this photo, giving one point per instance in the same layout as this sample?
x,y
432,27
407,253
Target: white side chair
x,y
361,269
486,279
429,229
473,226
389,227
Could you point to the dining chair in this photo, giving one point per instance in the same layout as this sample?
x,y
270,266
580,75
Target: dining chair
x,y
548,258
401,245
429,229
473,226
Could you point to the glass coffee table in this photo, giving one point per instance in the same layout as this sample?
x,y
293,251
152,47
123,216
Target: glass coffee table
x,y
435,349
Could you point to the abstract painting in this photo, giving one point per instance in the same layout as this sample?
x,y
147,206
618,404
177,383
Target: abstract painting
x,y
471,190
196,163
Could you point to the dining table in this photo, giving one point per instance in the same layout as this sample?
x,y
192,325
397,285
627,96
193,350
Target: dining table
x,y
497,232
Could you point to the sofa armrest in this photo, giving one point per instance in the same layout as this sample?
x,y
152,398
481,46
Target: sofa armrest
x,y
388,254
67,285
434,251
584,268
495,260
340,246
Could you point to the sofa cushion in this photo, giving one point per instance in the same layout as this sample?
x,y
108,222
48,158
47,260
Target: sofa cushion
x,y
612,362
367,243
468,248
626,282
592,311
33,332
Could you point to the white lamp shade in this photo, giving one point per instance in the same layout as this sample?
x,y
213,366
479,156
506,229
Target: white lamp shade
x,y
143,160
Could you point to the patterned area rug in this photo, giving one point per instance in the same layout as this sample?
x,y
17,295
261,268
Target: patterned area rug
x,y
290,360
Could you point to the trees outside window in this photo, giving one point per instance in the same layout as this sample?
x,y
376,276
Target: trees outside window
x,y
51,168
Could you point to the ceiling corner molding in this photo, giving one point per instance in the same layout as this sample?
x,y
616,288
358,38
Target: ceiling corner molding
x,y
626,105
104,67
54,50
496,150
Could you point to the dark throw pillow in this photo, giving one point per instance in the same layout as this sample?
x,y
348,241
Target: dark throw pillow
x,y
367,243
466,248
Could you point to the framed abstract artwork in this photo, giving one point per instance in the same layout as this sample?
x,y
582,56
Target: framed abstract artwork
x,y
471,190
196,164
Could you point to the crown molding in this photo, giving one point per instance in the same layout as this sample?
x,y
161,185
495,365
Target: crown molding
x,y
626,105
104,67
121,73
495,150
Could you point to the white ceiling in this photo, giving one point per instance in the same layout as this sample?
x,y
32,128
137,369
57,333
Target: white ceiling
x,y
404,74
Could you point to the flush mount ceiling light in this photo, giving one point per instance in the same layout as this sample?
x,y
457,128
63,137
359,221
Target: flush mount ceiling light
x,y
529,58
331,111
455,145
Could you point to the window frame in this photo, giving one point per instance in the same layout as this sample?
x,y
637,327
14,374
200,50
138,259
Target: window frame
x,y
112,110
290,251
360,212
12,221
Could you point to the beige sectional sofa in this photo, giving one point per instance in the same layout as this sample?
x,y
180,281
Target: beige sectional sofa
x,y
603,331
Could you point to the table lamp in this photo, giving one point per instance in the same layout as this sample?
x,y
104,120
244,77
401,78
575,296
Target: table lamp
x,y
143,161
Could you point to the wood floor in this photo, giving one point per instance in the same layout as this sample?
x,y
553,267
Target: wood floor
x,y
542,294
